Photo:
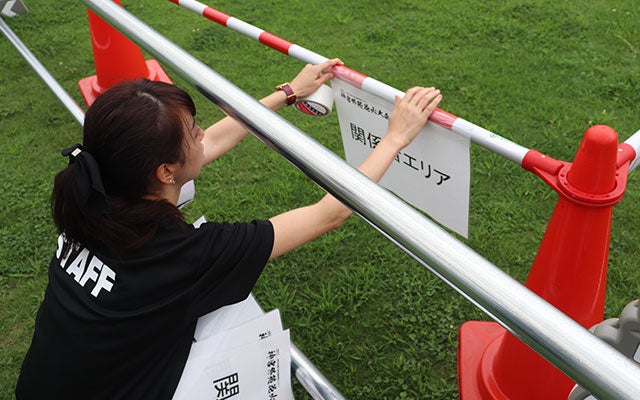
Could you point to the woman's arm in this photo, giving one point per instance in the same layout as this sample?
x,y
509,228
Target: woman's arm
x,y
224,135
296,227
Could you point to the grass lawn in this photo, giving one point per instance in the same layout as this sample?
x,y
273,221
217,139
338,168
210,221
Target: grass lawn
x,y
373,320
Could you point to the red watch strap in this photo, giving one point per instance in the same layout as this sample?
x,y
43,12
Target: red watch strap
x,y
291,96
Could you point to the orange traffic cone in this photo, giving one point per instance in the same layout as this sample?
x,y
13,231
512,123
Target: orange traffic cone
x,y
116,59
569,272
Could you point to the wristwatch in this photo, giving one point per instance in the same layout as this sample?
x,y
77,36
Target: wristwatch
x,y
291,96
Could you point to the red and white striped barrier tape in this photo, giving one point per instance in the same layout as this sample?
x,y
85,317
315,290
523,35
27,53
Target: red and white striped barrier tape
x,y
478,135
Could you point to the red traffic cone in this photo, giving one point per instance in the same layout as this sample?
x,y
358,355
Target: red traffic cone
x,y
116,59
569,272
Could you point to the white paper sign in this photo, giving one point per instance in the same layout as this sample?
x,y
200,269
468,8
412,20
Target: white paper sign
x,y
239,353
257,370
432,173
227,317
187,194
251,331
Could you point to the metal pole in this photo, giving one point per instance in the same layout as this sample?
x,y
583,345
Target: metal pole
x,y
311,378
592,363
71,105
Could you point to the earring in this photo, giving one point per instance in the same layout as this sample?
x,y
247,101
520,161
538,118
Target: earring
x,y
172,181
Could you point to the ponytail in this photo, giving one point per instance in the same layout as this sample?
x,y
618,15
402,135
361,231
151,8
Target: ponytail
x,y
101,199
87,216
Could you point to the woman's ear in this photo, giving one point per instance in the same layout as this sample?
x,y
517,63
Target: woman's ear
x,y
165,173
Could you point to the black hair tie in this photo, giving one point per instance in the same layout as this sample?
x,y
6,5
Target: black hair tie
x,y
88,180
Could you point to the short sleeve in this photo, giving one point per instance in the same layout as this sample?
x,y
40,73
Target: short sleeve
x,y
233,259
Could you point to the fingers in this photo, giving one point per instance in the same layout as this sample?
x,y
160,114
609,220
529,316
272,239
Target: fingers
x,y
323,70
311,77
424,99
429,100
324,78
326,66
433,103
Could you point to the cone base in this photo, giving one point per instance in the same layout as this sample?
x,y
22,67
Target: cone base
x,y
476,340
91,90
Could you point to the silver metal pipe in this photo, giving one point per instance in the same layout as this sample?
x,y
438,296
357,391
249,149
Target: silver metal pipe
x,y
316,384
589,361
71,105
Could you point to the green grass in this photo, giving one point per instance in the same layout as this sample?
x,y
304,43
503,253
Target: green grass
x,y
372,319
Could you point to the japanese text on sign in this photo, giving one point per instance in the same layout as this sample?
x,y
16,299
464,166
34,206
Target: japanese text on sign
x,y
432,173
272,373
368,139
227,387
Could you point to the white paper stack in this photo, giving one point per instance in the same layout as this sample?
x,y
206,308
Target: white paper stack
x,y
239,353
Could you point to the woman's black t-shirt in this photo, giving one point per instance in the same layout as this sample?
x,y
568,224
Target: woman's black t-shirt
x,y
121,328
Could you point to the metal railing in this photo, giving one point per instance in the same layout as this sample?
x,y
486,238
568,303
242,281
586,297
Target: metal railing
x,y
587,360
62,95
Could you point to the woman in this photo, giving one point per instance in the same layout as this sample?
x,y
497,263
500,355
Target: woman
x,y
130,278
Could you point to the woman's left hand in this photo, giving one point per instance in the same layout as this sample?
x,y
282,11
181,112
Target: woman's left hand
x,y
312,77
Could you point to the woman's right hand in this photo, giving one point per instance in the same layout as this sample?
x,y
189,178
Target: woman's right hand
x,y
296,227
411,113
